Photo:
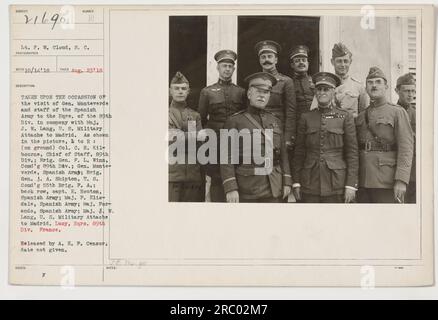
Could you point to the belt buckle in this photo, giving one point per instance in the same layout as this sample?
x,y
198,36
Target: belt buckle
x,y
368,146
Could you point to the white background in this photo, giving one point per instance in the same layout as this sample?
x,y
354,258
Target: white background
x,y
22,292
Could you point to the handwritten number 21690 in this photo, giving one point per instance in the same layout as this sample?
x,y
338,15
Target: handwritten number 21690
x,y
46,18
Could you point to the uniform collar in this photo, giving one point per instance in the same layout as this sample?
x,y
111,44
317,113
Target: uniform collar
x,y
178,105
224,82
378,102
297,75
274,72
406,106
325,110
344,78
254,110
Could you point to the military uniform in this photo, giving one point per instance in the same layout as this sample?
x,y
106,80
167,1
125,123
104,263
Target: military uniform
x,y
326,153
304,92
282,102
351,96
304,86
246,178
217,103
185,180
411,190
386,148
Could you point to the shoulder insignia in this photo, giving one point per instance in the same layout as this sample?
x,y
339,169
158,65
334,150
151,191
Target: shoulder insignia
x,y
238,112
355,80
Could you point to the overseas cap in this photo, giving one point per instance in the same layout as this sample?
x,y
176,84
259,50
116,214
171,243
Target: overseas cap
x,y
179,78
375,72
406,79
340,50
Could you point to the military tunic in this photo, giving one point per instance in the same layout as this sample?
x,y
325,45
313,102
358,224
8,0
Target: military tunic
x,y
304,92
386,146
282,103
411,189
326,152
216,104
185,180
351,96
242,176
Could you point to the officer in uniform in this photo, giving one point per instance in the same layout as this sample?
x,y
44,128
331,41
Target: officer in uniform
x,y
185,181
304,86
406,90
351,94
252,181
282,102
326,162
386,145
216,104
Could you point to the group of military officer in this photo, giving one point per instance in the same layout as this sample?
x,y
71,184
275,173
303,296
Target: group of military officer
x,y
334,140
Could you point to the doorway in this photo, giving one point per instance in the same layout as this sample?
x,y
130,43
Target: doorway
x,y
288,31
188,52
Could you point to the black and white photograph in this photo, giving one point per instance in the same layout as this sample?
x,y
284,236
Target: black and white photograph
x,y
271,145
307,109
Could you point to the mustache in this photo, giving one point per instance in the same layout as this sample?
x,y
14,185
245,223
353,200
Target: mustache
x,y
266,63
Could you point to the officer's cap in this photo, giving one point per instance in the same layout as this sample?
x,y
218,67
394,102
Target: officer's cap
x,y
326,78
225,55
340,50
406,79
261,80
375,72
300,50
179,78
267,45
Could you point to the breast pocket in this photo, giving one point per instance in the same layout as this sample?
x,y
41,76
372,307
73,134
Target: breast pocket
x,y
348,101
312,138
385,128
335,137
352,95
216,102
237,103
